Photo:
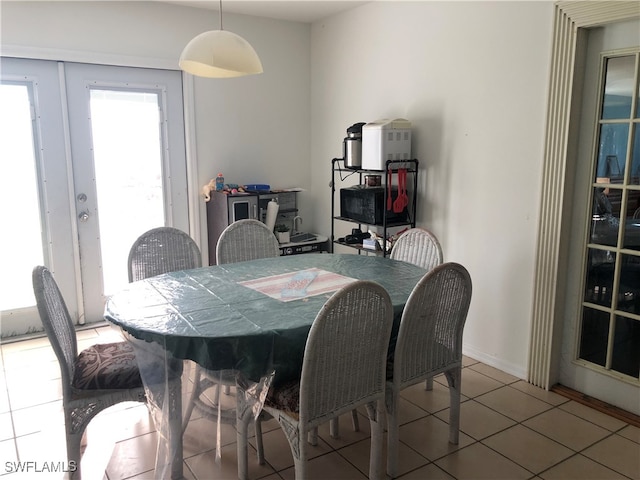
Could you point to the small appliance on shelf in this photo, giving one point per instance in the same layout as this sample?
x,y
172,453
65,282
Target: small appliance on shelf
x,y
384,140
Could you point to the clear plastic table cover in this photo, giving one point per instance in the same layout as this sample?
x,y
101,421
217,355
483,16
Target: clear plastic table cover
x,y
208,316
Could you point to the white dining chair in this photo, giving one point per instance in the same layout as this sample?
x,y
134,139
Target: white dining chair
x,y
94,379
162,250
429,342
245,240
419,247
241,241
343,368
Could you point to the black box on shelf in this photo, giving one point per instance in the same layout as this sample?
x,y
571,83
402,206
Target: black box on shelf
x,y
368,204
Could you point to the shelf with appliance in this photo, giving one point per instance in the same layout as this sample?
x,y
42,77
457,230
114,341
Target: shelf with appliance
x,y
225,208
365,204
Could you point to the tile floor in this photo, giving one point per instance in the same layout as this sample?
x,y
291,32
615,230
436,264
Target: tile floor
x,y
509,430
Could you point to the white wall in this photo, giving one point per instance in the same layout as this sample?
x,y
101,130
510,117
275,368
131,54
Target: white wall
x,y
472,78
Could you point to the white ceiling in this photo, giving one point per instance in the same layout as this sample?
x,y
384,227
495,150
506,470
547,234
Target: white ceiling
x,y
307,11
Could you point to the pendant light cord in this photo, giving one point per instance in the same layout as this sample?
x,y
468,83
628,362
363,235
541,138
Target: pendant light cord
x,y
220,14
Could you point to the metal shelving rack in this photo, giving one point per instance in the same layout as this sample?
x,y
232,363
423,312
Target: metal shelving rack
x,y
411,166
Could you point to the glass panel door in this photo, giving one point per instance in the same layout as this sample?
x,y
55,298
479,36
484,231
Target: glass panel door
x,y
34,191
126,179
610,328
90,157
21,240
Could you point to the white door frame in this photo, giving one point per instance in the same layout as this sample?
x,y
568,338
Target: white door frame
x,y
553,234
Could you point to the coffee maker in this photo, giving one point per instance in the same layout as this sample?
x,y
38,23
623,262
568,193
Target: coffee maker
x,y
352,146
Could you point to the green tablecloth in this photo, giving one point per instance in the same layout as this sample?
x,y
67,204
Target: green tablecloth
x,y
207,316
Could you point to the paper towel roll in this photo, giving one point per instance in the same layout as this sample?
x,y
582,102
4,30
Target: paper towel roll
x,y
272,213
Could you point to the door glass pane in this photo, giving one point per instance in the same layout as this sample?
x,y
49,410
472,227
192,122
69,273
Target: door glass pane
x,y
631,239
619,87
634,178
21,240
612,153
605,216
594,336
626,354
629,288
600,269
128,172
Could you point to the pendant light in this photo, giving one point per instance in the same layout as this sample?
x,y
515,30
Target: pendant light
x,y
219,54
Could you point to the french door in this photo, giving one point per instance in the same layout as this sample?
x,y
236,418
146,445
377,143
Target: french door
x,y
91,157
600,357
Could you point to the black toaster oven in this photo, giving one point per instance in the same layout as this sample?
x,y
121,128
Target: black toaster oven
x,y
367,205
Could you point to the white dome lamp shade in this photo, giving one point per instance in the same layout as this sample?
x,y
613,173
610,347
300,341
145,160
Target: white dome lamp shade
x,y
220,54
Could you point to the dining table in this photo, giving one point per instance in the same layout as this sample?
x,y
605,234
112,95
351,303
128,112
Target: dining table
x,y
251,318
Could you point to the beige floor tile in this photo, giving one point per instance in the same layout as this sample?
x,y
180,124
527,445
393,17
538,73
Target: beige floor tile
x,y
477,462
567,429
4,401
331,466
6,426
149,475
431,471
358,454
205,467
347,435
513,403
90,334
277,451
429,437
29,393
475,383
528,449
8,453
17,358
631,432
15,377
579,467
617,453
408,459
540,393
429,400
47,445
133,456
477,420
31,420
494,373
201,434
124,436
468,361
23,345
594,416
273,476
408,411
125,420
